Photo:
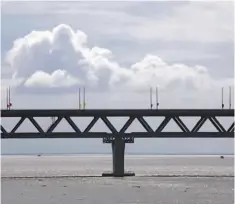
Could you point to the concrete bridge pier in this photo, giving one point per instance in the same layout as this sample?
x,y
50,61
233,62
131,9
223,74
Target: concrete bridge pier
x,y
118,153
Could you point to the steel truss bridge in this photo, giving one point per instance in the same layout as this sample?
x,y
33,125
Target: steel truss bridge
x,y
119,138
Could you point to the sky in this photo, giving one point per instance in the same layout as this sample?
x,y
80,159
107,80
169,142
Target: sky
x,y
117,50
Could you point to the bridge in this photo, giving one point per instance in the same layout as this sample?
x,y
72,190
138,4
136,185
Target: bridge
x,y
118,138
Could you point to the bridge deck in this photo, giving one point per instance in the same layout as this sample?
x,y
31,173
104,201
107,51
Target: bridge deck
x,y
115,112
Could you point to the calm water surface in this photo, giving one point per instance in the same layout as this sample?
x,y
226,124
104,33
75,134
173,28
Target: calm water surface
x,y
94,165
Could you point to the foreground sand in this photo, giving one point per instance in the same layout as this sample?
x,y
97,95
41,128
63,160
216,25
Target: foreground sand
x,y
181,180
97,190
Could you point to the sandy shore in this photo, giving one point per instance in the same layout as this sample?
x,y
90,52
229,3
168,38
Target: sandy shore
x,y
93,190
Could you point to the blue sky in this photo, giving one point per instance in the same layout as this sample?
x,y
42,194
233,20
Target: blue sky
x,y
117,50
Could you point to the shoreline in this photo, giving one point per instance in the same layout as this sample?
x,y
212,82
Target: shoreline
x,y
109,154
87,177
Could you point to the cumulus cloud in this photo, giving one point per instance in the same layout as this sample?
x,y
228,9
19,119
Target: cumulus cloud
x,y
58,78
37,56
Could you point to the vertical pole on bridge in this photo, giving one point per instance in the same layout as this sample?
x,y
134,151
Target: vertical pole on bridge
x,y
9,104
151,98
7,98
84,98
222,98
157,103
230,98
79,98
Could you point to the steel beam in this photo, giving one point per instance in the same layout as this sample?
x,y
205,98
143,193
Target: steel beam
x,y
231,128
216,124
3,130
149,132
72,124
163,124
53,125
115,112
199,124
34,135
109,125
127,124
91,124
180,123
184,135
18,124
36,125
21,135
145,124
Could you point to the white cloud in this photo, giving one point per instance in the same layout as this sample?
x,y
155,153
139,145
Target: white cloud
x,y
36,56
59,78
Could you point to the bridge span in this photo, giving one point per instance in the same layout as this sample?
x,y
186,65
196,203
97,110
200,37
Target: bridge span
x,y
118,138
